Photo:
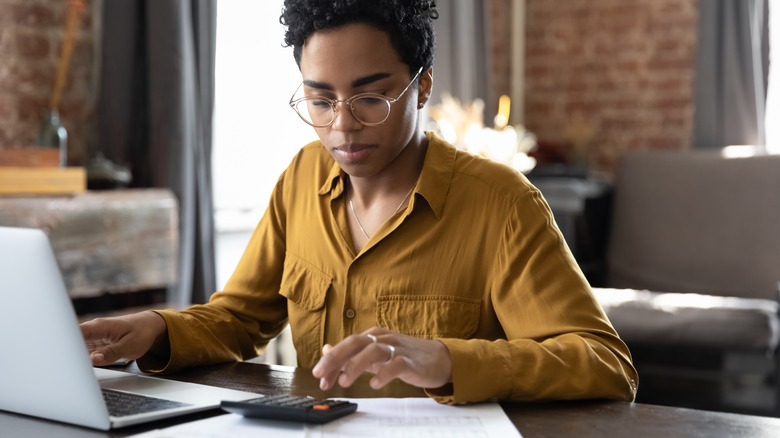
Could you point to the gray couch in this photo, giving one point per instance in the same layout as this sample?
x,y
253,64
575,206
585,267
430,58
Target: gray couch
x,y
694,263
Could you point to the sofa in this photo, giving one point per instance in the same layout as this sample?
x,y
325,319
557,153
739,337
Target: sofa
x,y
693,267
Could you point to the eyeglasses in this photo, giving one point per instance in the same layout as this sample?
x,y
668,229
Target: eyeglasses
x,y
370,109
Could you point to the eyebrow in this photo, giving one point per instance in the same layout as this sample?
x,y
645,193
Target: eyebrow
x,y
356,83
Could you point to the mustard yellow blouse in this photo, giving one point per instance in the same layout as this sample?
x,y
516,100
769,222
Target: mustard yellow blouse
x,y
475,260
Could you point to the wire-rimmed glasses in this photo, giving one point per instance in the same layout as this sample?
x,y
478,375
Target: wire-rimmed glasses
x,y
370,109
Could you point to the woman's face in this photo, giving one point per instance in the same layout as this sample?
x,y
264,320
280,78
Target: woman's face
x,y
358,58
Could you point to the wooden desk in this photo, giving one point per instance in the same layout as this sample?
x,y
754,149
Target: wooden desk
x,y
554,419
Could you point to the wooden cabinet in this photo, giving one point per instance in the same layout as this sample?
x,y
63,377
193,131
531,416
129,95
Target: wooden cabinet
x,y
105,242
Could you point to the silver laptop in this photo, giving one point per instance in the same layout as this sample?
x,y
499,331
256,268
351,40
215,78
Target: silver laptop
x,y
45,369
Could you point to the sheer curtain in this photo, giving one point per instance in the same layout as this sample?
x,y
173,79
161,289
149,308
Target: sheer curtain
x,y
256,133
731,73
155,109
772,115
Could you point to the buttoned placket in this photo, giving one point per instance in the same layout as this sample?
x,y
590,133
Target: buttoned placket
x,y
353,297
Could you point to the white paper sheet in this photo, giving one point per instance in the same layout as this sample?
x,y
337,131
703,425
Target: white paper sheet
x,y
379,417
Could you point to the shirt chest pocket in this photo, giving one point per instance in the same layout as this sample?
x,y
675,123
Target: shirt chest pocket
x,y
436,316
305,289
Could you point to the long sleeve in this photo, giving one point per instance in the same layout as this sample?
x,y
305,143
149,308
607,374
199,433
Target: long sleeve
x,y
239,321
559,344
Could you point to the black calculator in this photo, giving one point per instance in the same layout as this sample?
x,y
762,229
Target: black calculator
x,y
291,408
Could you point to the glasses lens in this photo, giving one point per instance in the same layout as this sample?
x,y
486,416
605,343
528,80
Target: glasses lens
x,y
367,109
371,109
317,112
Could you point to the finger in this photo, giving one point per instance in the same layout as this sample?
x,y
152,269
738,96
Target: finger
x,y
393,369
371,359
95,340
91,330
333,359
104,355
337,358
109,352
325,381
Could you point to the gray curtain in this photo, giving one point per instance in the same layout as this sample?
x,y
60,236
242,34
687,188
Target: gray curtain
x,y
732,66
155,115
461,59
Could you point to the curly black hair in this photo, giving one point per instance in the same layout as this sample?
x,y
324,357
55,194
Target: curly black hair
x,y
408,23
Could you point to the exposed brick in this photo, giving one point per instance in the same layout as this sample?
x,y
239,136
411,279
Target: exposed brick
x,y
31,77
32,14
677,64
664,103
7,107
73,107
31,107
30,45
539,108
14,135
674,122
628,65
585,106
6,42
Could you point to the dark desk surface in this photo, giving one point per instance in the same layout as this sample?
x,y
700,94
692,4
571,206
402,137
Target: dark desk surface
x,y
554,419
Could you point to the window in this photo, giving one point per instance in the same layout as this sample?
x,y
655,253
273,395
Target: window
x,y
256,133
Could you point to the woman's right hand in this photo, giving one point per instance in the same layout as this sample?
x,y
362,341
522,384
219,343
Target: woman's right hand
x,y
124,337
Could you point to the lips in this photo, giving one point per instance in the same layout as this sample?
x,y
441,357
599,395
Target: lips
x,y
354,151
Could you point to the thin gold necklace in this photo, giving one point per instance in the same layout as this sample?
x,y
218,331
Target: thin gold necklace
x,y
352,208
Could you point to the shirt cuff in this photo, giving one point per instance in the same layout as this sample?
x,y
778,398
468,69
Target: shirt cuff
x,y
478,373
159,361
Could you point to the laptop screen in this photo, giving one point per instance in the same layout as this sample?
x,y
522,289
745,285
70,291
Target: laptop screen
x,y
44,369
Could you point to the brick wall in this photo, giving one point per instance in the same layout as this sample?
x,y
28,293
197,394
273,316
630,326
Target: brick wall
x,y
31,33
610,75
499,15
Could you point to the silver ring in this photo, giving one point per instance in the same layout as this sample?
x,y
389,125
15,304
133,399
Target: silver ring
x,y
372,337
392,352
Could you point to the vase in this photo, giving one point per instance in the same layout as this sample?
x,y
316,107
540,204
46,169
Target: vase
x,y
52,134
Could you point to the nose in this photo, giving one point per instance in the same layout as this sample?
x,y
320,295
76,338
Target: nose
x,y
344,120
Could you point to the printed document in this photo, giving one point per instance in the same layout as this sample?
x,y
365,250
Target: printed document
x,y
378,417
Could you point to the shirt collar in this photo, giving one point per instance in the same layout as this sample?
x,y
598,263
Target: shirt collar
x,y
435,177
334,182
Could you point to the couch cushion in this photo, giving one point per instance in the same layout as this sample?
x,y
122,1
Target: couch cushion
x,y
696,222
687,319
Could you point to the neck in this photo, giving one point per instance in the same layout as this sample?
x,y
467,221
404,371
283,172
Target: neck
x,y
394,181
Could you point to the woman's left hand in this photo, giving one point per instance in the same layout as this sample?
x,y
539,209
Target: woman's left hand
x,y
388,355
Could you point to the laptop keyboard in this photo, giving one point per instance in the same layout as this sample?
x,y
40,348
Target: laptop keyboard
x,y
121,404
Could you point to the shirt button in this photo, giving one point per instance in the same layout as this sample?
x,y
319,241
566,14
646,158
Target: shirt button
x,y
350,313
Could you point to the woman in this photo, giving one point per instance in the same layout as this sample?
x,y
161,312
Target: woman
x,y
388,250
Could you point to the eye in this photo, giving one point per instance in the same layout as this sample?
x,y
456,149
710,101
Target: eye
x,y
370,100
319,103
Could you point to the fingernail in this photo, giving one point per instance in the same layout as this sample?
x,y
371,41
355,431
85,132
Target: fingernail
x,y
323,384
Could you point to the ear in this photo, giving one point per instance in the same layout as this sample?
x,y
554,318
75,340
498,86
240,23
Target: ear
x,y
425,87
